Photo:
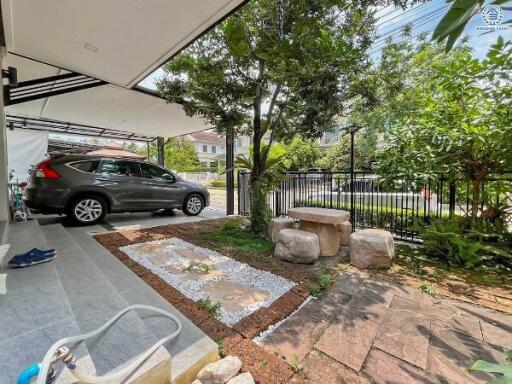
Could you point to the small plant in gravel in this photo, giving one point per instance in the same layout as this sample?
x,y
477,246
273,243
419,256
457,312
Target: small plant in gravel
x,y
210,306
325,280
197,267
295,363
314,289
427,288
263,362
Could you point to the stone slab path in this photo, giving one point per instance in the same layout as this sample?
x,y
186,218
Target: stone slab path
x,y
362,330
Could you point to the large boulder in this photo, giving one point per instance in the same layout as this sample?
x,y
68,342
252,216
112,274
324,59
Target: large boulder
x,y
344,230
244,378
372,248
220,371
277,224
296,246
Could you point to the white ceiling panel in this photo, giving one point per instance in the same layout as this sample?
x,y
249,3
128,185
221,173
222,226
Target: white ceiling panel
x,y
113,107
118,41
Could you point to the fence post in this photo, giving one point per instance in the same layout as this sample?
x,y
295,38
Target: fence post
x,y
452,194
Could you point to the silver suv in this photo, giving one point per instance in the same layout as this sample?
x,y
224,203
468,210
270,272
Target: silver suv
x,y
86,188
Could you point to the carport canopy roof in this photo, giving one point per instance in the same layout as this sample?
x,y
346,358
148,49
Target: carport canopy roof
x,y
119,42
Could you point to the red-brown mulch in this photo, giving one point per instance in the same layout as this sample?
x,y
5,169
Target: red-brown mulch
x,y
236,340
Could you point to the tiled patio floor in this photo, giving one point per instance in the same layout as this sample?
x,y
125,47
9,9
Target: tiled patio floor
x,y
367,331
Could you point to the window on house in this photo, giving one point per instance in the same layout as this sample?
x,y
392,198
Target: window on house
x,y
205,148
214,149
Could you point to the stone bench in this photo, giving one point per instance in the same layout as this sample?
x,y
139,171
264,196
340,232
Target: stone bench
x,y
296,246
276,224
371,248
323,222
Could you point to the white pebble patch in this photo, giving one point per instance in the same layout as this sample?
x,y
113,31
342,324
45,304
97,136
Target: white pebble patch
x,y
233,271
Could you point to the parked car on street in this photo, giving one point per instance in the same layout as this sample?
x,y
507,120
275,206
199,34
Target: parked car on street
x,y
369,191
86,188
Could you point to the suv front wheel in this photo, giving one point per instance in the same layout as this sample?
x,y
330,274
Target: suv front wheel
x,y
86,210
193,205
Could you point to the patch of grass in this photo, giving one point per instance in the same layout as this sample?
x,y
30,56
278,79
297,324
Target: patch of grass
x,y
295,363
314,289
324,278
427,288
210,306
232,234
264,362
195,266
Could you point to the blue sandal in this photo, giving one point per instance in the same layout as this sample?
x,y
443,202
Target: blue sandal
x,y
32,257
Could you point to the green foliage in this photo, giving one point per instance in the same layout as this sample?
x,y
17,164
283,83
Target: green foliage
x,y
325,280
218,183
322,280
260,73
452,241
263,361
451,26
443,113
314,289
503,370
295,363
231,233
210,306
427,288
299,154
337,156
180,155
197,267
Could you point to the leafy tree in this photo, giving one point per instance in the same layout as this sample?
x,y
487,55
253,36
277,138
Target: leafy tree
x,y
179,155
299,154
337,157
454,117
284,67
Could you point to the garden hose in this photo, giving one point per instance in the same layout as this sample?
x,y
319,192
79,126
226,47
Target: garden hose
x,y
58,352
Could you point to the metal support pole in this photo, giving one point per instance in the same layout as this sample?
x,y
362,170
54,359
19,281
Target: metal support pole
x,y
160,151
230,175
352,187
452,200
4,173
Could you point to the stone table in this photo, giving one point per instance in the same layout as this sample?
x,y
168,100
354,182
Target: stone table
x,y
322,221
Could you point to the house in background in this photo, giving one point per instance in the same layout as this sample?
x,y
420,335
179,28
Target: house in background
x,y
210,148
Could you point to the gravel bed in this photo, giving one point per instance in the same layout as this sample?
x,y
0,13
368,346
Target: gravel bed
x,y
235,272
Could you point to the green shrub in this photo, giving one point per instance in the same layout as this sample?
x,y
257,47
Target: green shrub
x,y
324,278
450,240
314,289
210,306
218,183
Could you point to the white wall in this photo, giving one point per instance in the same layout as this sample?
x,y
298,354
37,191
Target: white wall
x,y
25,148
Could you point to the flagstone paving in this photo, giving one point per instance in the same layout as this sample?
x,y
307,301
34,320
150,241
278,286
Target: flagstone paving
x,y
363,330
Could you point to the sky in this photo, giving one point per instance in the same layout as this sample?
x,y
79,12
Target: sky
x,y
423,18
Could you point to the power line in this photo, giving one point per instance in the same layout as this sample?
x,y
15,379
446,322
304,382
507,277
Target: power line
x,y
397,31
404,13
432,14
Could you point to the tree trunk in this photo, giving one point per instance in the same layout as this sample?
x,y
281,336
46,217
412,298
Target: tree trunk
x,y
475,200
258,190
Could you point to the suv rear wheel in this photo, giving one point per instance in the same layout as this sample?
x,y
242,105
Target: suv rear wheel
x,y
86,210
193,205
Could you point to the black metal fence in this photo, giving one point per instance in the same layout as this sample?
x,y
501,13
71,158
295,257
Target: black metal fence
x,y
397,206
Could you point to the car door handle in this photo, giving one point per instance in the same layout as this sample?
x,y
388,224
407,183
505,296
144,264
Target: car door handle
x,y
102,178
